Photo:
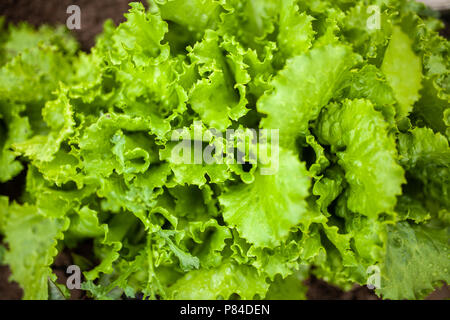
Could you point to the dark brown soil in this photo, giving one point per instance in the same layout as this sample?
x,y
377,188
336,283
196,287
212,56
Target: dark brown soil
x,y
62,261
8,290
93,14
320,290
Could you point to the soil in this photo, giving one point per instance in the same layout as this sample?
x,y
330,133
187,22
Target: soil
x,y
93,15
320,290
53,12
8,290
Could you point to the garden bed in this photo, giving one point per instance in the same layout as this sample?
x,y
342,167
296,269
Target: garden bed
x,y
94,13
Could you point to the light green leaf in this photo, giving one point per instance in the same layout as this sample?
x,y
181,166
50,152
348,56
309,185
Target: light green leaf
x,y
403,70
417,260
358,134
220,283
32,241
302,89
266,210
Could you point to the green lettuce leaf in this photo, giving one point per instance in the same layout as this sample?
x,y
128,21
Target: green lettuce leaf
x,y
403,70
32,241
290,107
223,282
359,137
422,251
266,210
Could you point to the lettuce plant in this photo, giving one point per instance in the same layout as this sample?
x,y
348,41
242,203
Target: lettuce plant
x,y
357,90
